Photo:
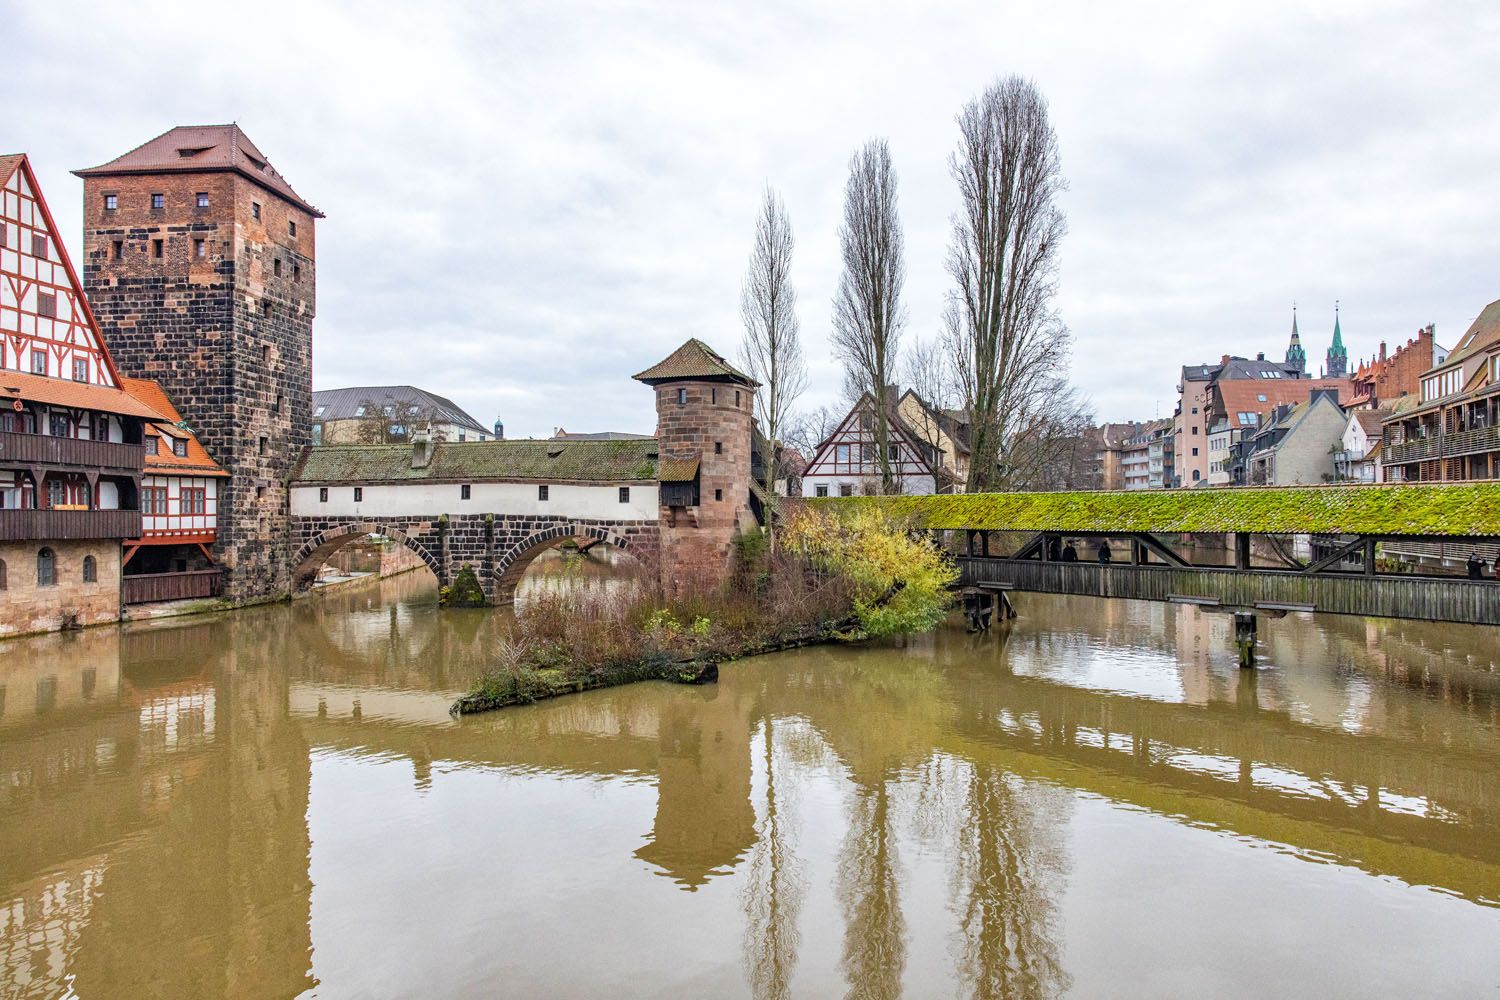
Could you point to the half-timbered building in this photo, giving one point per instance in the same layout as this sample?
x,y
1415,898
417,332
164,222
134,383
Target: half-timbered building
x,y
71,448
172,559
847,462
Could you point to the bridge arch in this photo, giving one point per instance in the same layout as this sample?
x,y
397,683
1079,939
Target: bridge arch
x,y
511,566
316,550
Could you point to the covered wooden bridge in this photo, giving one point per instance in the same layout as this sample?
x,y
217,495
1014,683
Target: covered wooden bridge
x,y
1273,548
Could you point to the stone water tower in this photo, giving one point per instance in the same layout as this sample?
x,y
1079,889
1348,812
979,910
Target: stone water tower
x,y
704,411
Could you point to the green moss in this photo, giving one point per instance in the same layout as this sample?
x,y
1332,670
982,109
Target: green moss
x,y
464,591
1466,509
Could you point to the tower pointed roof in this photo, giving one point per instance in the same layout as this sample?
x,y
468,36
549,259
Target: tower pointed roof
x,y
202,149
1295,355
694,360
1338,357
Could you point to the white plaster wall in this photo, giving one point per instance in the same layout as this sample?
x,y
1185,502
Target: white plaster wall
x,y
427,499
913,485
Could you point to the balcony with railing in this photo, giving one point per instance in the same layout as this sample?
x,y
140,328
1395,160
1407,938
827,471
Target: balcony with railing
x,y
108,457
68,525
145,588
1470,442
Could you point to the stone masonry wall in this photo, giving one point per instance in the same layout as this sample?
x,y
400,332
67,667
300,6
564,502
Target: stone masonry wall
x,y
713,426
227,334
499,547
26,607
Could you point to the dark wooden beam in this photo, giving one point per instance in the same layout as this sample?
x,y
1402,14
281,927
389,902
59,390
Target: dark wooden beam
x,y
1337,555
1167,555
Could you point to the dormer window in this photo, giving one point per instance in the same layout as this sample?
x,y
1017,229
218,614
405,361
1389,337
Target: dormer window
x,y
151,442
188,151
179,447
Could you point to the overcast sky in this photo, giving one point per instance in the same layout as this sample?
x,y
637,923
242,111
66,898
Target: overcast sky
x,y
529,202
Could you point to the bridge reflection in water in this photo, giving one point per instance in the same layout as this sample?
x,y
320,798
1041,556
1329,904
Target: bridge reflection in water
x,y
277,802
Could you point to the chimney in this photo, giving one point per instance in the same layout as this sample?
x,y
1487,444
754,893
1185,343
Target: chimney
x,y
1261,356
421,449
1382,350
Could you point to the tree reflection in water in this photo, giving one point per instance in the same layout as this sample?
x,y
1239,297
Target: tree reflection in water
x,y
1008,864
869,893
774,890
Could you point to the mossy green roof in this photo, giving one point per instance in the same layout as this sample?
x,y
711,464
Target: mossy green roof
x,y
480,461
1449,510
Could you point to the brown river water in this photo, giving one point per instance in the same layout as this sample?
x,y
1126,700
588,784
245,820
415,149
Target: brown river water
x,y
1094,803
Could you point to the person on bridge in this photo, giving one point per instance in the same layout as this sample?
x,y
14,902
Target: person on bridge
x,y
1054,550
1104,554
1069,554
1476,565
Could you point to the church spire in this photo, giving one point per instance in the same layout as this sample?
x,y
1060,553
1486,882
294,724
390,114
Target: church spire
x,y
1338,358
1296,357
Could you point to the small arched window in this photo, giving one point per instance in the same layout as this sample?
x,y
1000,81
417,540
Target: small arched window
x,y
46,568
90,570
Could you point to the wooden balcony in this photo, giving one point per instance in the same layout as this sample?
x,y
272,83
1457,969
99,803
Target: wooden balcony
x,y
60,452
144,588
68,525
1472,442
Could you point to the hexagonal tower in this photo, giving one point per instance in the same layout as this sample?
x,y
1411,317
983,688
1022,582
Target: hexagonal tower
x,y
704,412
198,259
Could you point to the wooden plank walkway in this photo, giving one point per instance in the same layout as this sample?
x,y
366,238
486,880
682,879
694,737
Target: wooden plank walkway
x,y
1415,598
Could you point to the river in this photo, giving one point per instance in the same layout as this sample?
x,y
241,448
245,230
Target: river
x,y
1097,803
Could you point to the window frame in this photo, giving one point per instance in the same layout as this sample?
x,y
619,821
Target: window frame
x,y
158,201
359,494
624,494
542,493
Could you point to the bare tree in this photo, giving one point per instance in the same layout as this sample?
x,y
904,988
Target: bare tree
x,y
867,313
772,348
389,422
1009,348
928,373
810,428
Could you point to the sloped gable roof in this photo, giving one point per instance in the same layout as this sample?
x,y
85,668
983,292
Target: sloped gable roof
x,y
202,149
197,461
693,360
19,182
476,461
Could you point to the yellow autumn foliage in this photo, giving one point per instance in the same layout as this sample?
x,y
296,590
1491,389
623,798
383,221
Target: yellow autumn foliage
x,y
897,577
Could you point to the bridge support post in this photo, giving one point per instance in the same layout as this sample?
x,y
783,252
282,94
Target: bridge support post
x,y
984,543
1137,553
1244,637
1241,550
1369,557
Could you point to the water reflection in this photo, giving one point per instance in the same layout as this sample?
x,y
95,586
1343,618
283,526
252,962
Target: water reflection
x,y
276,803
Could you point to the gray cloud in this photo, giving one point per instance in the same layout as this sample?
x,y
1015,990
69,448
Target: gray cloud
x,y
527,204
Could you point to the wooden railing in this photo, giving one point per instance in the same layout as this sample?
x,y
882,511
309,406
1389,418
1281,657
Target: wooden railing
x,y
1420,598
1470,442
64,525
144,588
43,449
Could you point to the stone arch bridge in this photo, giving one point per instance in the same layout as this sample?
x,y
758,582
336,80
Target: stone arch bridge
x,y
494,506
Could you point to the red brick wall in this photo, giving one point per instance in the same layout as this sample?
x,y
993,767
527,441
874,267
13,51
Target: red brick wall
x,y
696,542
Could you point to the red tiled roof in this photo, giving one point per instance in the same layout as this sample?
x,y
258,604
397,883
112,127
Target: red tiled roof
x,y
693,360
8,165
77,395
1243,395
201,149
197,460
